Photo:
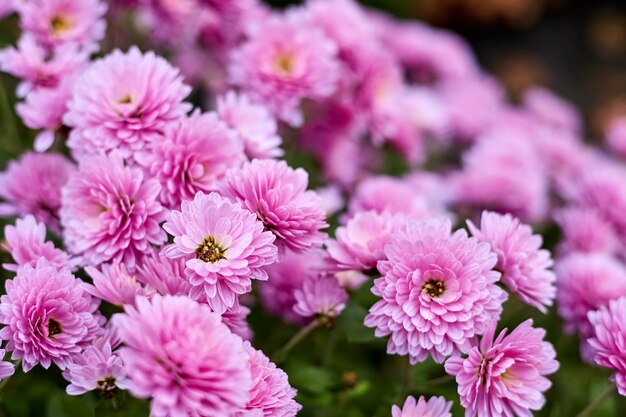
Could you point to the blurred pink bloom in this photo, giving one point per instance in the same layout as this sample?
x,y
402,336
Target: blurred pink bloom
x,y
235,320
32,185
278,195
224,246
7,368
615,138
114,284
320,296
124,101
48,317
525,267
192,156
551,109
179,353
434,407
437,292
584,230
505,376
110,212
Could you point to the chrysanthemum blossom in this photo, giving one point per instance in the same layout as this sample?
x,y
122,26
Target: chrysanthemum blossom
x,y
434,407
58,22
48,316
437,292
96,368
255,126
525,267
551,109
360,243
285,61
191,157
321,296
179,353
114,284
6,368
224,246
615,136
505,376
608,340
163,275
235,319
26,243
124,101
278,195
32,185
110,212
584,230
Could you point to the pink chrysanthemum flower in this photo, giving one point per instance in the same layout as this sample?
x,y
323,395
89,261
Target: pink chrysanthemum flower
x,y
192,157
179,353
438,291
224,245
32,185
96,368
26,243
615,138
360,243
320,296
285,61
271,393
278,195
505,376
525,267
124,101
57,22
608,340
114,284
254,124
6,368
235,320
434,407
110,212
163,275
584,230
551,109
48,316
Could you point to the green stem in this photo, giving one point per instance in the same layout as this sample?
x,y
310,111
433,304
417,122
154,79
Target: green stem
x,y
296,339
597,402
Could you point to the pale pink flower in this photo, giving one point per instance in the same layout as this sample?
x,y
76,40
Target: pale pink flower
x,y
434,407
163,275
7,368
584,230
114,284
615,137
235,320
320,296
551,109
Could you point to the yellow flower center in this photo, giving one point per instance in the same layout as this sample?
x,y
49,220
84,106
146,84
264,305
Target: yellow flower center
x,y
210,251
434,288
59,24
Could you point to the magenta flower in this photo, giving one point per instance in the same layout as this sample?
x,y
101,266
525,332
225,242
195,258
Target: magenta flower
x,y
320,296
6,368
192,157
32,185
505,376
48,317
114,284
178,353
285,61
278,195
438,291
255,126
584,230
26,243
271,393
525,267
96,368
608,339
163,275
57,22
110,212
434,407
360,243
124,101
224,247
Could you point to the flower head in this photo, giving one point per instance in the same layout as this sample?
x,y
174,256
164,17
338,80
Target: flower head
x,y
6,368
179,353
278,195
235,320
224,246
114,284
434,407
438,291
48,316
584,230
551,109
320,296
615,137
505,376
163,275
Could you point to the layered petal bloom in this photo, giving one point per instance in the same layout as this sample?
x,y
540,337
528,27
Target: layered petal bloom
x,y
320,296
551,109
505,376
278,195
48,316
437,292
26,242
179,353
235,320
110,212
114,284
255,126
525,267
285,61
224,246
32,185
434,407
609,339
124,101
163,275
192,157
584,230
271,393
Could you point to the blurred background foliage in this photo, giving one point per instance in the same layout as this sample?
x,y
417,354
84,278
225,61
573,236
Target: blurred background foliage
x,y
577,48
